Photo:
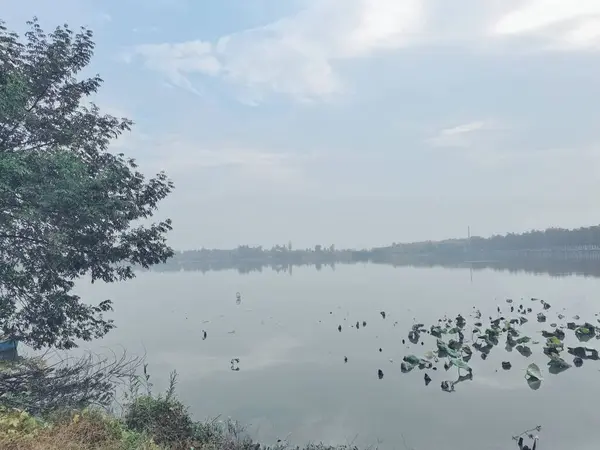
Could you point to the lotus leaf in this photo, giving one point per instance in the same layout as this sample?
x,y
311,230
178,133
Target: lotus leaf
x,y
533,372
445,350
454,345
406,367
436,331
558,363
412,359
429,355
458,362
553,342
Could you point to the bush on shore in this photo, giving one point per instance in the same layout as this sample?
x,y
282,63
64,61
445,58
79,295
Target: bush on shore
x,y
85,430
147,422
67,406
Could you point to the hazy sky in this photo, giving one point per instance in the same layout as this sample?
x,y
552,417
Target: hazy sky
x,y
353,122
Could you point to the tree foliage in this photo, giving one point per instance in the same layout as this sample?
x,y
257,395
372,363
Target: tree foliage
x,y
548,240
68,206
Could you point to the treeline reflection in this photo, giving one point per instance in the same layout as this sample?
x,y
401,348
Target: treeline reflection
x,y
541,265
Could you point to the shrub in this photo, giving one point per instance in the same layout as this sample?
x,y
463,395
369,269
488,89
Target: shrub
x,y
163,417
86,430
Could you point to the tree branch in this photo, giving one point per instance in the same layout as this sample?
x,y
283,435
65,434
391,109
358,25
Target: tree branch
x,y
25,238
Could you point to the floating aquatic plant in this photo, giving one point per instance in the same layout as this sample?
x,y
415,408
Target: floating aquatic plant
x,y
456,351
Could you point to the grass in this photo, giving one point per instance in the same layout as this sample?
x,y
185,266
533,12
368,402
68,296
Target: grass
x,y
97,430
93,429
86,430
145,422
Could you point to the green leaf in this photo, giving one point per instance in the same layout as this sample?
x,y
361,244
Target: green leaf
x,y
444,349
524,350
558,362
406,366
69,208
412,359
554,342
458,362
533,371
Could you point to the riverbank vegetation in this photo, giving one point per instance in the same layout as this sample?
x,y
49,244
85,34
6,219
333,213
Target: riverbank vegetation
x,y
146,421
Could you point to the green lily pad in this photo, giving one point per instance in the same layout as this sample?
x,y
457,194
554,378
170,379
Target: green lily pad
x,y
412,359
510,341
557,364
584,352
429,355
454,345
458,362
445,350
492,332
541,317
436,331
533,372
490,342
524,350
406,366
554,342
584,333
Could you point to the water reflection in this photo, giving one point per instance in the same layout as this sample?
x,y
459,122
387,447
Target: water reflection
x,y
293,377
555,267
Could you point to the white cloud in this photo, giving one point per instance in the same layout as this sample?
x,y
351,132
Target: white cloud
x,y
295,55
176,61
300,55
461,135
480,143
562,24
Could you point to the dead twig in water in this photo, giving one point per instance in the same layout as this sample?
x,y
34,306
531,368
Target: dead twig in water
x,y
528,433
405,443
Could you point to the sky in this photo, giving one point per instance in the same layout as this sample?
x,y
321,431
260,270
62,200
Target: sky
x,y
351,122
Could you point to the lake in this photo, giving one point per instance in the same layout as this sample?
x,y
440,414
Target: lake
x,y
293,383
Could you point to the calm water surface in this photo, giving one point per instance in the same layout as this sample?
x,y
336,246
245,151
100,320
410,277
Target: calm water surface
x,y
293,382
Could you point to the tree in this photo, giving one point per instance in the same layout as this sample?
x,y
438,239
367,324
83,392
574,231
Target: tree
x,y
67,205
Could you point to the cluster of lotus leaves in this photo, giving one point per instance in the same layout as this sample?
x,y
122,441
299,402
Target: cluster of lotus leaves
x,y
457,343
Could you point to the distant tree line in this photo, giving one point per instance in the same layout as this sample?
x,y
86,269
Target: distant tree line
x,y
276,255
552,242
